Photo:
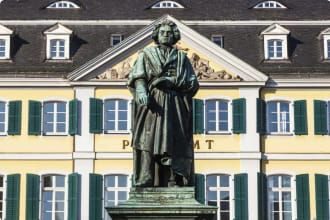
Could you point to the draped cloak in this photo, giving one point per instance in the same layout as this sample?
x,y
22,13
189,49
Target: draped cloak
x,y
164,126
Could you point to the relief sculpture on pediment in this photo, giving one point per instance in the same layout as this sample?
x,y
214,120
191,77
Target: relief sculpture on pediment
x,y
202,68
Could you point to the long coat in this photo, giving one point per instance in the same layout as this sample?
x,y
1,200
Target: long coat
x,y
164,127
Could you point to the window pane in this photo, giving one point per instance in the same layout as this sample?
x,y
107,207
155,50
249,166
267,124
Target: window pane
x,y
224,206
211,180
59,206
224,181
110,195
286,206
122,115
122,126
224,215
110,115
286,181
122,196
287,216
60,127
59,196
2,107
48,181
59,181
211,195
59,216
122,181
224,195
110,181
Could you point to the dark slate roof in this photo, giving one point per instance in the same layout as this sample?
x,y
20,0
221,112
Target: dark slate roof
x,y
140,9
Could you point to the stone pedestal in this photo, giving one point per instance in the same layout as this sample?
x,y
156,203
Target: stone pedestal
x,y
177,203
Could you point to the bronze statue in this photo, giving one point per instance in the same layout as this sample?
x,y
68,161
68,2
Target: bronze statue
x,y
163,83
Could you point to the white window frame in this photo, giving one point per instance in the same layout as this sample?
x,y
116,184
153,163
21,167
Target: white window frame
x,y
167,4
213,37
283,39
218,188
269,5
66,118
326,51
115,189
229,110
58,32
113,36
60,5
280,189
3,190
129,103
50,188
5,35
6,118
57,48
291,115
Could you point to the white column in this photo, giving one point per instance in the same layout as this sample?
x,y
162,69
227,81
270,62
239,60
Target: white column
x,y
251,167
84,141
250,143
84,153
250,140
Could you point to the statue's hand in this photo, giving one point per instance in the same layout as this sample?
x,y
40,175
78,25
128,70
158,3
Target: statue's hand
x,y
142,98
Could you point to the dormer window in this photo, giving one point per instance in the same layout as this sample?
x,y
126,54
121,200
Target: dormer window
x,y
275,42
58,42
63,4
325,36
5,36
167,4
116,39
269,4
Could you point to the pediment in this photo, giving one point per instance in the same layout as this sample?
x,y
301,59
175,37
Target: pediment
x,y
325,32
4,30
58,29
275,29
210,62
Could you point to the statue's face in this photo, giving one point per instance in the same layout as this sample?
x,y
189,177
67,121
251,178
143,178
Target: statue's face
x,y
165,35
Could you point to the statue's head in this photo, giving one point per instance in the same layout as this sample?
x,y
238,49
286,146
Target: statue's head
x,y
166,33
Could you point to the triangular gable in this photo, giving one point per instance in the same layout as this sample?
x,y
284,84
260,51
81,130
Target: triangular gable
x,y
275,29
233,68
324,32
5,31
58,29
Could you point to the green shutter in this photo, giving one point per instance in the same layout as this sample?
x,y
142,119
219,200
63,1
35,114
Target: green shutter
x,y
13,195
200,188
95,196
73,198
14,117
300,117
302,187
261,116
96,115
198,119
32,197
34,118
262,196
320,117
239,116
241,196
73,116
322,197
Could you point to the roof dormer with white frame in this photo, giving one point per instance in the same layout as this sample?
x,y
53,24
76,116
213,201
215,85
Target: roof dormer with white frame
x,y
58,42
5,38
275,42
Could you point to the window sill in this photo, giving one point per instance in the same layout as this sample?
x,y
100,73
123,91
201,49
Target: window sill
x,y
279,134
117,132
218,133
55,134
6,60
58,61
277,61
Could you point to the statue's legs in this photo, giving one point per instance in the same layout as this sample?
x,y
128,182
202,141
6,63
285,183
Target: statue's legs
x,y
144,167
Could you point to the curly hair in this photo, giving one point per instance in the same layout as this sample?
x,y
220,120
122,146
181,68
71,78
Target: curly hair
x,y
176,32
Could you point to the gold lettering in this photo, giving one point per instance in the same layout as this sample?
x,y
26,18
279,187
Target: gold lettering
x,y
125,144
196,145
209,143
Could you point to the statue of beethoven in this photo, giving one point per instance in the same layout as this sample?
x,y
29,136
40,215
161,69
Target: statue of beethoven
x,y
163,83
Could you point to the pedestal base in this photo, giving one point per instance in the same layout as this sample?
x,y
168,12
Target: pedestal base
x,y
177,203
